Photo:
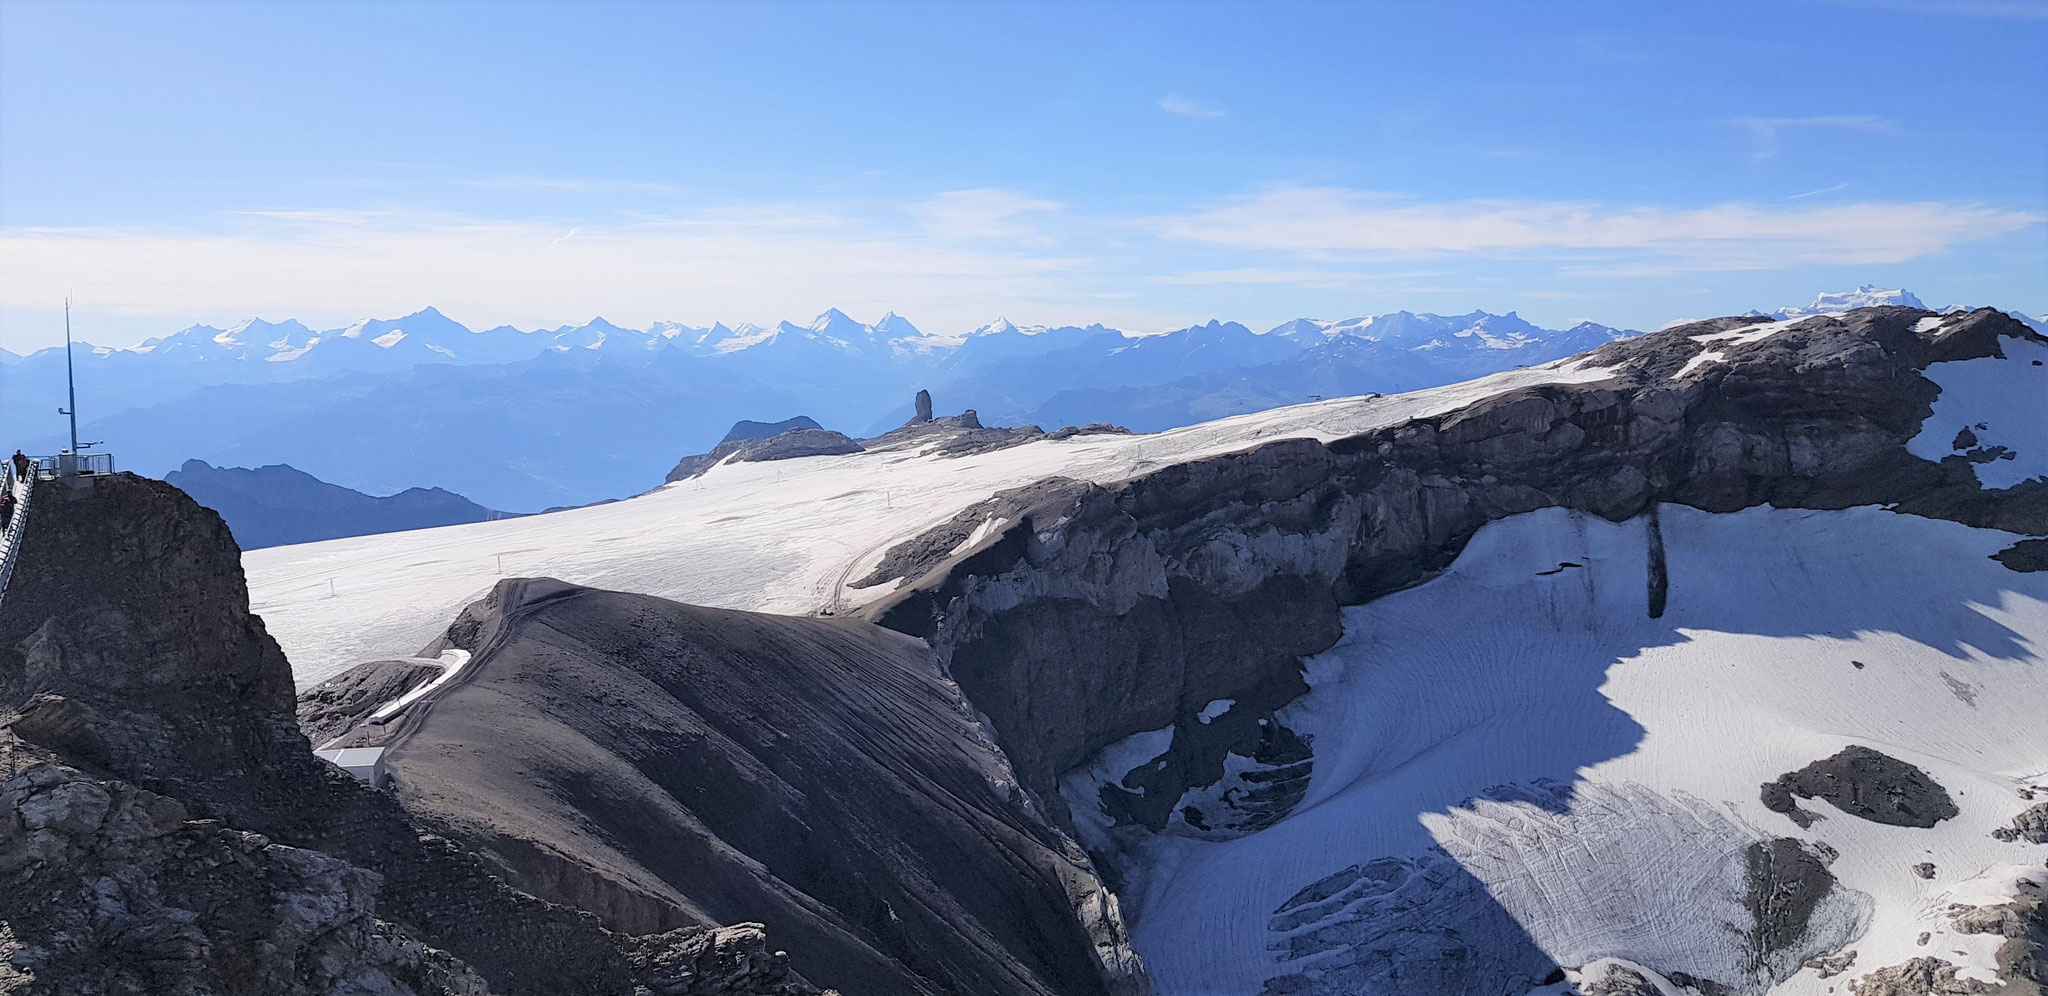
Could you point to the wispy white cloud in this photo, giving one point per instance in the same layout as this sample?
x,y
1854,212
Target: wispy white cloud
x,y
1816,193
986,213
734,264
955,258
1328,222
1174,104
567,185
1764,132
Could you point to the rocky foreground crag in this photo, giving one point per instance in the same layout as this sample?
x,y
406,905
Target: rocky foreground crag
x,y
165,828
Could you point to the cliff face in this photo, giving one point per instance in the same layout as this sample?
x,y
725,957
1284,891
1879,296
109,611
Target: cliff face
x,y
666,765
1103,611
166,828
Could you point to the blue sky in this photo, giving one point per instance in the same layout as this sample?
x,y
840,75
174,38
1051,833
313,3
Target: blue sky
x,y
1143,164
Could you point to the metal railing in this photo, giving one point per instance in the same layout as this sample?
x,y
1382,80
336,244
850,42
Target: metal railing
x,y
10,538
82,463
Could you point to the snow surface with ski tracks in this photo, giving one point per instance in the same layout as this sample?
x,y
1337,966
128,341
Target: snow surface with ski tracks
x,y
775,536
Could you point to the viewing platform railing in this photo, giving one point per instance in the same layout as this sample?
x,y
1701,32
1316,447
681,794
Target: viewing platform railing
x,y
22,488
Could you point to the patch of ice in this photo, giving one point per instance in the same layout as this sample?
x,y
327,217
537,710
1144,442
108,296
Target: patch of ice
x,y
1215,709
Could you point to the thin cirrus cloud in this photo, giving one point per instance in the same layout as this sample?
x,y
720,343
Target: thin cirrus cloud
x,y
1326,222
762,261
956,257
1175,104
1765,132
983,213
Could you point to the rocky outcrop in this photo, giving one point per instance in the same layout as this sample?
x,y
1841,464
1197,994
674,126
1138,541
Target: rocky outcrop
x,y
341,703
750,429
2025,556
2030,825
113,889
1863,783
953,435
786,445
922,406
668,765
1097,612
1091,429
132,671
1919,977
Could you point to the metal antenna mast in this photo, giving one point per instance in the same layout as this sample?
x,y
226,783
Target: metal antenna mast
x,y
70,382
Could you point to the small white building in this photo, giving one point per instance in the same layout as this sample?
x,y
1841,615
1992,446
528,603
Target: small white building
x,y
366,763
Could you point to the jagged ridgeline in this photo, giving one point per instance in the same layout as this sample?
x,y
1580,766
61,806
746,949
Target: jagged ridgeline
x,y
1706,662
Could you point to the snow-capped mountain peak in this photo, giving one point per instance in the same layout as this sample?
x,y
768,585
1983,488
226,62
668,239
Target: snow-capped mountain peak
x,y
896,326
1864,296
1001,326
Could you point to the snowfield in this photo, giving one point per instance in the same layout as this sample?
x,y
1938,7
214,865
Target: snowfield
x,y
2002,403
783,536
1521,754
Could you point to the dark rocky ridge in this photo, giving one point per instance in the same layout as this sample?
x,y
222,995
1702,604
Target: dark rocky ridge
x,y
750,429
785,445
1101,611
276,505
665,765
155,719
1863,783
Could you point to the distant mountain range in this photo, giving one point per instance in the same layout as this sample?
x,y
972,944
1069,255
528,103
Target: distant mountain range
x,y
525,420
277,505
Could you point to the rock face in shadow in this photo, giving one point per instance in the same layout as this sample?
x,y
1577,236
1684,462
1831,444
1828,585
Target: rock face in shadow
x,y
665,765
165,820
1098,612
2025,556
1865,784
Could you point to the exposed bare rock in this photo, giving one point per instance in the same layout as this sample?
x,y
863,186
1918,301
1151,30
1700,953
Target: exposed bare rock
x,y
923,406
1620,980
953,435
2030,825
332,707
1924,869
1787,881
2025,556
127,650
1091,429
728,961
787,445
668,765
1829,966
1919,977
113,889
1863,783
